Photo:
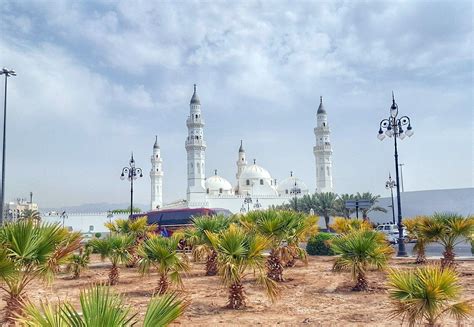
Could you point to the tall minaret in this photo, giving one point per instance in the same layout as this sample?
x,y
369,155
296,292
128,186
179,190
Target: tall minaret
x,y
195,148
241,164
156,176
323,151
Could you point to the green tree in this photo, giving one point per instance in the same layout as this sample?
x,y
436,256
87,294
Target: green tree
x,y
116,249
426,294
448,229
373,199
29,214
102,307
161,253
240,252
301,227
360,250
77,262
325,204
416,232
28,252
340,207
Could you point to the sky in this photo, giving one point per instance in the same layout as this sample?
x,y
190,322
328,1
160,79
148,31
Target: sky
x,y
99,79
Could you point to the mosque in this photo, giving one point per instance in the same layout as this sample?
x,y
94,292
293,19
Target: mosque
x,y
253,188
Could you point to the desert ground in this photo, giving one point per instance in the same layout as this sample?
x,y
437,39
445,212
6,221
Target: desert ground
x,y
312,295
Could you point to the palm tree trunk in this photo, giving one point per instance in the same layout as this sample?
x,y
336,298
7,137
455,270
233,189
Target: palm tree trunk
x,y
77,272
362,284
236,296
326,220
133,258
421,255
211,264
163,284
274,267
113,275
291,263
14,307
448,258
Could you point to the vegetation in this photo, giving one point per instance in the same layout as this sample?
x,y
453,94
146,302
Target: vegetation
x,y
360,250
237,253
29,214
416,231
198,238
102,307
320,244
340,205
301,228
325,204
161,253
448,229
426,294
28,252
373,199
77,262
116,248
344,226
126,211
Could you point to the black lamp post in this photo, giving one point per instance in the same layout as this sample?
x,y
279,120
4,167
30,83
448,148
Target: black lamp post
x,y
131,172
390,184
7,74
295,190
393,126
64,216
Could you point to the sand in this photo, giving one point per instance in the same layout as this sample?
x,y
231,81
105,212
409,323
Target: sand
x,y
313,295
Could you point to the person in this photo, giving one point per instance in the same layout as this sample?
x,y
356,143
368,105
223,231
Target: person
x,y
164,232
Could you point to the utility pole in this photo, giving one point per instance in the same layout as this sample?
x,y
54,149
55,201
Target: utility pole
x,y
401,175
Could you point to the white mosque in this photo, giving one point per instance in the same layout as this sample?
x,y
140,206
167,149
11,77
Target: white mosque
x,y
253,188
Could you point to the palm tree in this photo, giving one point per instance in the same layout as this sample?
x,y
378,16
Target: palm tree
x,y
273,226
137,228
199,240
325,204
102,307
116,248
29,214
29,252
239,251
340,207
343,226
360,250
416,232
373,199
448,229
161,253
426,294
77,262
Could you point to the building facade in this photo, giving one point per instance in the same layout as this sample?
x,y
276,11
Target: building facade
x,y
323,151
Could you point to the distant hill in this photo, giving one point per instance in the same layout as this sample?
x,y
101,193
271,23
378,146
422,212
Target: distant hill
x,y
93,207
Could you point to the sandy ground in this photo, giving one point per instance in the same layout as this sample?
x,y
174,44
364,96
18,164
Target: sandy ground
x,y
313,295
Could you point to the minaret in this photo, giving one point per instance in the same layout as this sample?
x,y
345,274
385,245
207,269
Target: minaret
x,y
241,164
323,151
195,148
156,176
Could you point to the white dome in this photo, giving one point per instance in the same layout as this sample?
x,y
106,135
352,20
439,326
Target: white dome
x,y
255,172
288,184
218,184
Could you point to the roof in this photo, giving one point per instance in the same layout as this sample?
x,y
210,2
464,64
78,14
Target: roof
x,y
156,145
241,149
215,183
255,172
195,98
321,109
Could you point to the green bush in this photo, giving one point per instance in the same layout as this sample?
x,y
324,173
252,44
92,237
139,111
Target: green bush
x,y
320,244
98,235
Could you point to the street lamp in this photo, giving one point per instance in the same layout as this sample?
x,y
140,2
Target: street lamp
x,y
248,201
131,173
7,74
257,205
390,184
64,216
393,126
295,190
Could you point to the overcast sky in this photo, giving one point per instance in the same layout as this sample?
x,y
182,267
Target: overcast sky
x,y
97,80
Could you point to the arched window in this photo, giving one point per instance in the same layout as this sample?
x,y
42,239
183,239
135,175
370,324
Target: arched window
x,y
286,191
324,124
247,182
261,182
196,116
207,191
328,170
197,137
220,191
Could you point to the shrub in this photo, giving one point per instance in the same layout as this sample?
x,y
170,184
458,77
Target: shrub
x,y
320,244
97,235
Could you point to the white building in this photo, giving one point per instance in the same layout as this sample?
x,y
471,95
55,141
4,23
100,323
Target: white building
x,y
14,210
254,187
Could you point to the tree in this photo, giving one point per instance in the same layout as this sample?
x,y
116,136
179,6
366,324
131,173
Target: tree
x,y
200,242
360,250
102,307
29,214
416,232
28,252
448,229
238,252
161,253
340,207
77,262
325,204
426,294
116,248
344,226
373,199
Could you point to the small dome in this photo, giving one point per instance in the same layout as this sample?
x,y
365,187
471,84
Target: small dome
x,y
195,98
218,184
287,186
321,109
255,172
